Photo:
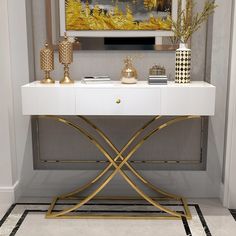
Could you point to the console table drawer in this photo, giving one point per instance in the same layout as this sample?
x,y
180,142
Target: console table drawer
x,y
48,100
188,101
124,101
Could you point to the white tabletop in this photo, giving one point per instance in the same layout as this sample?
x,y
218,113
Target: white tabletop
x,y
118,84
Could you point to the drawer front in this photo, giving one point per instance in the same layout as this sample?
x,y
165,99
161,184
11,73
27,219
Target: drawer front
x,y
91,101
188,101
48,101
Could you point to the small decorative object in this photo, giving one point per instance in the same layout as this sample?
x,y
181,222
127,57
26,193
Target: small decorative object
x,y
129,73
66,58
102,79
47,64
183,29
157,75
157,70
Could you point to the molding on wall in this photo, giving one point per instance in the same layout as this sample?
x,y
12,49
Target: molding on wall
x,y
219,77
229,197
9,188
8,167
222,190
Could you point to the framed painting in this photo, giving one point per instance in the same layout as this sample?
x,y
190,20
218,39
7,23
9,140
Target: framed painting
x,y
117,18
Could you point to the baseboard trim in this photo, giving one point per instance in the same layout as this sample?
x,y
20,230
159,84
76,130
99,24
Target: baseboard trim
x,y
222,194
8,194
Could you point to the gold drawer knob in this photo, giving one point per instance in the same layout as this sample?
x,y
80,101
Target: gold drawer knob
x,y
118,101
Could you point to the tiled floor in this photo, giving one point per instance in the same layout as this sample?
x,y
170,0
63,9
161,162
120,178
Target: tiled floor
x,y
28,218
3,209
233,212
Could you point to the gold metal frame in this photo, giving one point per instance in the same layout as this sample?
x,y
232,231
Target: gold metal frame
x,y
117,163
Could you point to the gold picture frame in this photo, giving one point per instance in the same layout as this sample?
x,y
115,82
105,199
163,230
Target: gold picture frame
x,y
142,18
80,43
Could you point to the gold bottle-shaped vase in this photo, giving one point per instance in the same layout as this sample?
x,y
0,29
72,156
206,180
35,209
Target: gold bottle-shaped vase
x,y
129,73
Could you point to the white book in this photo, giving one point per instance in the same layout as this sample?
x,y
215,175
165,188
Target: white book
x,y
96,79
158,76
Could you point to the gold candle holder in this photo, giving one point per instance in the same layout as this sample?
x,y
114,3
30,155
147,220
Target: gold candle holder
x,y
66,58
47,64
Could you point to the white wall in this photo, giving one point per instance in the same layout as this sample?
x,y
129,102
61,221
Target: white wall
x,y
19,76
15,132
230,166
8,170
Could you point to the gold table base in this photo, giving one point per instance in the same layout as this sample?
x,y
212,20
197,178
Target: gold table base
x,y
117,163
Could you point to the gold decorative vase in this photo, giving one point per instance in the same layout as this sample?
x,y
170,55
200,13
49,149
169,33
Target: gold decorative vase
x,y
47,64
66,58
129,73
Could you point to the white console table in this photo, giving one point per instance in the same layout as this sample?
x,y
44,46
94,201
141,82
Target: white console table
x,y
183,101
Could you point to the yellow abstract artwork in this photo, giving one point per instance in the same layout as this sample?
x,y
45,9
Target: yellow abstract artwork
x,y
118,15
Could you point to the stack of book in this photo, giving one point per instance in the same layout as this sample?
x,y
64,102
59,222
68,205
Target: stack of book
x,y
157,79
96,79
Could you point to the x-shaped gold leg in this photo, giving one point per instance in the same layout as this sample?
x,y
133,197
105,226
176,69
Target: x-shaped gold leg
x,y
118,169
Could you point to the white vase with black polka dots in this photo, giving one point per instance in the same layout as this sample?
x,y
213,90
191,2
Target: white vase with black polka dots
x,y
183,64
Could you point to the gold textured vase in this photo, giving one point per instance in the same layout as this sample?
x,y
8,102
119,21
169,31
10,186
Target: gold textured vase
x,y
47,64
129,73
66,58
